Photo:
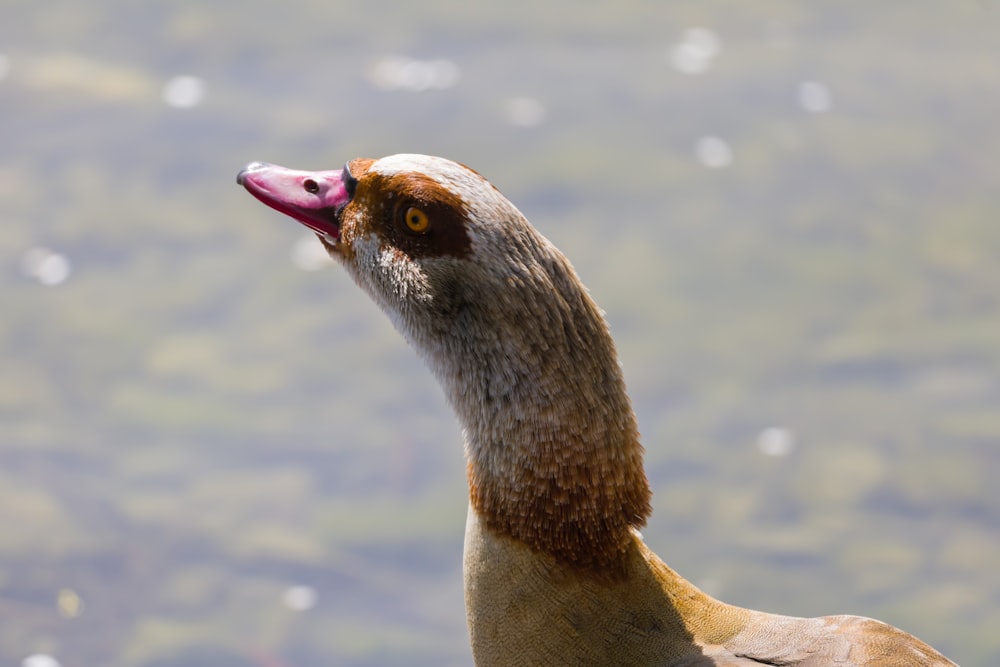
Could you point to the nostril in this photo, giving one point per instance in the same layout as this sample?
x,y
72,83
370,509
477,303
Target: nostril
x,y
310,186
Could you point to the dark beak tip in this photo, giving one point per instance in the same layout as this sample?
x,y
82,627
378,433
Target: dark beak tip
x,y
252,167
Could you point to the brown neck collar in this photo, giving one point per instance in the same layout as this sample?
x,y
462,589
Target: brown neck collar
x,y
554,458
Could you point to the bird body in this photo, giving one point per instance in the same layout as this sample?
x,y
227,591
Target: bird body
x,y
556,572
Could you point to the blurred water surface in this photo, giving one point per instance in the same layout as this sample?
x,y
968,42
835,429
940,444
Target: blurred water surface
x,y
214,450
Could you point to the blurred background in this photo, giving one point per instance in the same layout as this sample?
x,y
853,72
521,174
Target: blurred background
x,y
215,451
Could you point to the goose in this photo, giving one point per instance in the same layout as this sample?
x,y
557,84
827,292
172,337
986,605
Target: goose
x,y
555,569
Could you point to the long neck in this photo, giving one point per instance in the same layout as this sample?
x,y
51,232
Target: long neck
x,y
554,458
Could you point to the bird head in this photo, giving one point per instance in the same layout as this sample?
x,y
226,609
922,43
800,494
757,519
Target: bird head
x,y
435,244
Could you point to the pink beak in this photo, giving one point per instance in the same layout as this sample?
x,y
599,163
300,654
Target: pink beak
x,y
314,198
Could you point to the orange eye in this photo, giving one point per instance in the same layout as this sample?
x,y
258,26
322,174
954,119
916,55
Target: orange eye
x,y
416,220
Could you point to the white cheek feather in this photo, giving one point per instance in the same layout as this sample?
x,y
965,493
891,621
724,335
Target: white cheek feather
x,y
389,277
401,277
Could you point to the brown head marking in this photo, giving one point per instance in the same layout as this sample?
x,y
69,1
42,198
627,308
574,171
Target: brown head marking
x,y
380,204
